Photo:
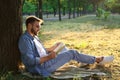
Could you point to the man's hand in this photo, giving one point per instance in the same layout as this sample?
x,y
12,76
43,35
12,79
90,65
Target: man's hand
x,y
52,55
53,47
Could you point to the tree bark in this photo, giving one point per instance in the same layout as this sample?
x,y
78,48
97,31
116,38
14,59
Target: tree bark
x,y
40,9
63,11
69,9
59,9
55,11
78,4
74,8
10,30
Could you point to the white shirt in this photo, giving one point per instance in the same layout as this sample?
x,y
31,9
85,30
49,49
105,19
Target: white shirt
x,y
40,48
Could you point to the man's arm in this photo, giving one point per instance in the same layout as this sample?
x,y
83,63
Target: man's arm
x,y
27,54
46,58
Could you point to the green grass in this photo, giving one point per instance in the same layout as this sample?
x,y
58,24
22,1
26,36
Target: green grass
x,y
88,22
81,24
79,33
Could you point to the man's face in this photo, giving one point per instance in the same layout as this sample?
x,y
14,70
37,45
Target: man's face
x,y
35,28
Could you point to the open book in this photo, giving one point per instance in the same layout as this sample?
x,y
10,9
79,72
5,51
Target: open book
x,y
59,47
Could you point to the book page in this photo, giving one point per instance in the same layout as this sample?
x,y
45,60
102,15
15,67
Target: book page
x,y
59,47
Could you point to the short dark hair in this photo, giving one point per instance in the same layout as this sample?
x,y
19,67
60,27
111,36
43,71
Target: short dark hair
x,y
31,19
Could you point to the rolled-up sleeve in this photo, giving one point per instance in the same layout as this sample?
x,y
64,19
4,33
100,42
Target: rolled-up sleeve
x,y
27,53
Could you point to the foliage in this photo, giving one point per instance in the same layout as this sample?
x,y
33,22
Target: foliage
x,y
113,5
10,76
7,76
99,12
106,15
29,7
102,13
51,6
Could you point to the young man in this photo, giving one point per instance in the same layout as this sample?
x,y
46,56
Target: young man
x,y
44,61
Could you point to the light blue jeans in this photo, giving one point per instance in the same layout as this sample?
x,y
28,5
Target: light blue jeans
x,y
65,56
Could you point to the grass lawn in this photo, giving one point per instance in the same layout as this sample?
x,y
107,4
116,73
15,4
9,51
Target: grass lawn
x,y
86,34
89,35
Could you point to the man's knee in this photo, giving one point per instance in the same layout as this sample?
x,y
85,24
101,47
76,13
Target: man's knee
x,y
72,51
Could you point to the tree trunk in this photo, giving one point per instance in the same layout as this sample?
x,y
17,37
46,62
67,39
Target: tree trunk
x,y
54,10
37,11
64,11
40,9
78,4
59,9
69,9
94,8
73,8
10,30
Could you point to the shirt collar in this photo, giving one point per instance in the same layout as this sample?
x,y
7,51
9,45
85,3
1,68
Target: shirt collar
x,y
31,37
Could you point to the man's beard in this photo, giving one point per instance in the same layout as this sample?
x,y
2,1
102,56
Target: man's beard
x,y
33,31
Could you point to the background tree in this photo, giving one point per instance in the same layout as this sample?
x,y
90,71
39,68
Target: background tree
x,y
113,5
95,3
29,7
54,6
40,9
77,4
10,31
45,7
74,8
69,8
59,9
64,6
51,6
81,7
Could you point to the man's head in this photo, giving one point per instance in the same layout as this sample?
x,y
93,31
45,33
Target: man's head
x,y
33,25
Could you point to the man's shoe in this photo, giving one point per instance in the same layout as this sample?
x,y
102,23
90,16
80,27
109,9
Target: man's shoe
x,y
106,59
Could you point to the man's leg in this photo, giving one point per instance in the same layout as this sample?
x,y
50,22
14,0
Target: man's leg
x,y
65,57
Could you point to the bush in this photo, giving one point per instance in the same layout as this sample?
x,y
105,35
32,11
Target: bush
x,y
7,76
100,13
106,15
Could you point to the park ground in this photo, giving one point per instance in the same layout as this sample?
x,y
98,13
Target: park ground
x,y
87,34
